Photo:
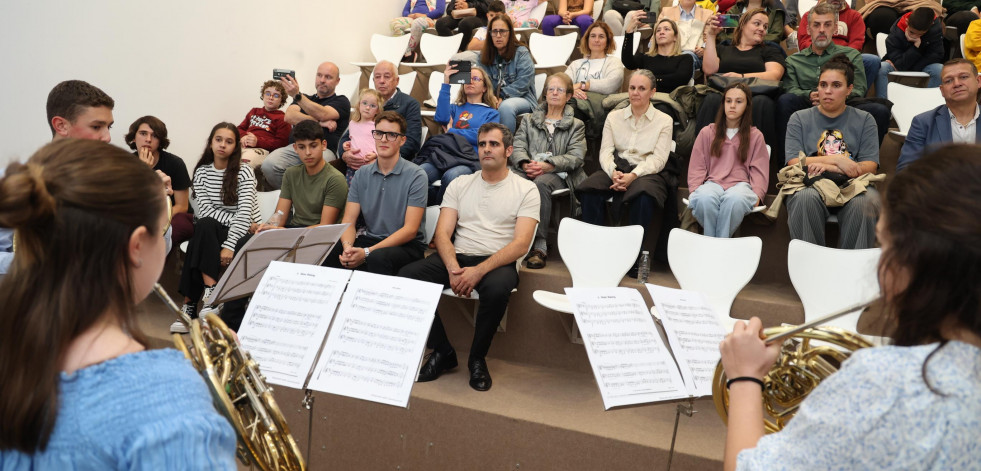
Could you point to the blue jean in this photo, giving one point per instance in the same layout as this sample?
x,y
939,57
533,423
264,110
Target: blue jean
x,y
436,194
882,81
721,211
871,63
510,108
551,21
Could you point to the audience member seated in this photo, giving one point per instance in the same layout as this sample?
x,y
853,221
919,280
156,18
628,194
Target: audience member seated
x,y
615,14
960,14
417,15
511,70
776,18
495,8
520,12
386,78
90,393
954,122
265,129
224,191
570,12
748,57
691,19
549,150
147,136
474,105
485,225
597,71
800,84
839,143
915,43
313,194
332,111
880,15
465,16
849,30
972,43
390,195
665,60
633,155
915,403
360,149
729,169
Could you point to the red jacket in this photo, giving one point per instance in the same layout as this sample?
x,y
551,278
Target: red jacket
x,y
269,127
851,30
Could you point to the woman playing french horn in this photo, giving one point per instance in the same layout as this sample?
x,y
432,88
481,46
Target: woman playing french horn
x,y
915,404
78,388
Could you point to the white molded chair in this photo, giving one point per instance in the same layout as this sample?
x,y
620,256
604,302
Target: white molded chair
x,y
591,265
963,50
432,215
880,44
540,84
804,6
537,14
828,279
435,83
718,268
618,40
551,51
406,82
437,50
348,86
386,48
915,101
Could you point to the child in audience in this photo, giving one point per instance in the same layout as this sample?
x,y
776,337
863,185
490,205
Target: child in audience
x,y
727,174
362,145
265,129
225,193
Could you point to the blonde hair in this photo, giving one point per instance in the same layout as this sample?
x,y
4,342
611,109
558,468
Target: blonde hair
x,y
367,91
652,51
488,98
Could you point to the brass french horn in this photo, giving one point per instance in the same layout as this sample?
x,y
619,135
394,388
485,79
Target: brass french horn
x,y
240,392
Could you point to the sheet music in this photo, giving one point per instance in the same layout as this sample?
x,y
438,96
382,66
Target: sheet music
x,y
628,357
288,318
374,348
694,332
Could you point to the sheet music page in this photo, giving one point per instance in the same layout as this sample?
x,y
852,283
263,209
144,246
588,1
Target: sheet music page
x,y
288,318
374,348
694,332
630,361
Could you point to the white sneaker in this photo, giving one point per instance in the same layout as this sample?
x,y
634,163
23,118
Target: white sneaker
x,y
206,295
178,327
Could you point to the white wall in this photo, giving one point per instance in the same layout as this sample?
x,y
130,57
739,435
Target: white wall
x,y
191,63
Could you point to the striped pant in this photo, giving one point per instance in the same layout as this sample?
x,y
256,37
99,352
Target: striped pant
x,y
807,216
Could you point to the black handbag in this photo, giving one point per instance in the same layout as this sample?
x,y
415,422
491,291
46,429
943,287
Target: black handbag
x,y
624,6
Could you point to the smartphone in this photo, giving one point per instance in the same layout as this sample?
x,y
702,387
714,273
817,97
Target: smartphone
x,y
728,21
462,74
650,17
277,73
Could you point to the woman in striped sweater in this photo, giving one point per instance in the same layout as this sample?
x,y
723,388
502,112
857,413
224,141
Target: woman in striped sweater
x,y
224,191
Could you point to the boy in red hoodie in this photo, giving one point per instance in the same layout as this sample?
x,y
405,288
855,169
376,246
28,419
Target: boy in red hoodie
x,y
265,129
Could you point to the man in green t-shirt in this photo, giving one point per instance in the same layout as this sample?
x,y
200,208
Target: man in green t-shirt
x,y
314,191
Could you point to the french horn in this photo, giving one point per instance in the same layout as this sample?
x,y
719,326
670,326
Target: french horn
x,y
806,358
239,391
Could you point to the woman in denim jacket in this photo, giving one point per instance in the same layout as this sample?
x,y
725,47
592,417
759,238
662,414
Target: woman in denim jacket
x,y
511,70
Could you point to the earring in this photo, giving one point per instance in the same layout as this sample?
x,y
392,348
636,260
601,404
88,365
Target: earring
x,y
139,263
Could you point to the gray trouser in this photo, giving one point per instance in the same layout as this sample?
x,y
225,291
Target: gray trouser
x,y
807,216
546,183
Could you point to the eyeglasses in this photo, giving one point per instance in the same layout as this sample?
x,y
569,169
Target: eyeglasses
x,y
385,135
476,78
274,95
556,90
499,32
369,104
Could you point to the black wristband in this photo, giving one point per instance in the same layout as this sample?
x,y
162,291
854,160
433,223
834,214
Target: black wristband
x,y
744,378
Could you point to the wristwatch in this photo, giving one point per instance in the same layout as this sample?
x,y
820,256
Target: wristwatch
x,y
366,252
297,97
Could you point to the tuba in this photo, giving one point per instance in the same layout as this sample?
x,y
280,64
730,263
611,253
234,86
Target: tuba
x,y
809,354
240,392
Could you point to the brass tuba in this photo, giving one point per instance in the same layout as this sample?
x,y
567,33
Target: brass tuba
x,y
239,391
806,359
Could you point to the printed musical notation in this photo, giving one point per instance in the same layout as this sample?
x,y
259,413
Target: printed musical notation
x,y
379,334
694,332
628,356
288,318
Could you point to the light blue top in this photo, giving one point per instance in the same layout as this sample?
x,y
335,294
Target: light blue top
x,y
148,410
6,249
877,413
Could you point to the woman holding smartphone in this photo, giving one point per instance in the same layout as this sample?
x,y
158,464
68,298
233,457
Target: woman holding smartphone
x,y
511,71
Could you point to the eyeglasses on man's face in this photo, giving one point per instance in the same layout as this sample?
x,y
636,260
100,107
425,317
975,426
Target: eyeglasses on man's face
x,y
385,135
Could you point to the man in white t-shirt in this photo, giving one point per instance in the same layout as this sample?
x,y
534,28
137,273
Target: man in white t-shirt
x,y
493,213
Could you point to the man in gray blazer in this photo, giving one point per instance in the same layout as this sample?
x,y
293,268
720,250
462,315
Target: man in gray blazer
x,y
956,121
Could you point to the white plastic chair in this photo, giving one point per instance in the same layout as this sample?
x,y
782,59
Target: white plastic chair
x,y
435,83
406,82
804,6
432,215
828,279
386,48
437,50
880,44
591,264
618,40
963,50
540,84
915,101
718,268
551,51
348,86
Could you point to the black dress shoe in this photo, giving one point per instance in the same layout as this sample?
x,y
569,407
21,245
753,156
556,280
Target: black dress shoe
x,y
536,259
436,363
479,377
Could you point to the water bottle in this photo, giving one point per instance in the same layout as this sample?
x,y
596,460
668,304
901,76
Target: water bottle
x,y
643,266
